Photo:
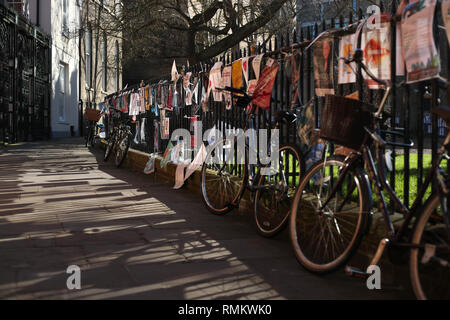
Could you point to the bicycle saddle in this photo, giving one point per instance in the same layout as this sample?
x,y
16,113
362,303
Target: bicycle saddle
x,y
443,112
100,125
287,116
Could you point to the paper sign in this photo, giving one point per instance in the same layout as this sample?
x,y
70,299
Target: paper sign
x,y
257,65
346,49
323,67
419,50
226,81
376,45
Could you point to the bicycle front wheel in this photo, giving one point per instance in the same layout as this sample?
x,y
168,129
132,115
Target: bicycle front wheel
x,y
109,148
430,260
224,177
275,192
324,235
122,150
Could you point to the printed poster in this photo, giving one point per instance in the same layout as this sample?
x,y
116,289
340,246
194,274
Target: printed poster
x,y
445,8
376,45
226,82
323,67
419,49
346,49
237,74
215,81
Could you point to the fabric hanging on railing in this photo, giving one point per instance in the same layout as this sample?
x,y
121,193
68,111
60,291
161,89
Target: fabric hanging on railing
x,y
293,78
323,66
419,49
237,74
147,96
376,45
245,68
156,136
346,73
197,163
143,137
263,90
167,157
257,65
195,91
170,99
174,71
215,81
204,98
142,100
226,82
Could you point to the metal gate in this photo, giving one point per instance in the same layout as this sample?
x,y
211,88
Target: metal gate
x,y
24,79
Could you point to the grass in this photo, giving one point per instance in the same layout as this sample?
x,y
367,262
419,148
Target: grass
x,y
413,175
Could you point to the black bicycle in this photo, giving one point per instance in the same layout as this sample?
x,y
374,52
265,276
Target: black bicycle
x,y
228,172
332,208
119,142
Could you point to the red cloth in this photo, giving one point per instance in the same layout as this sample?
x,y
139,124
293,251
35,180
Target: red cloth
x,y
263,91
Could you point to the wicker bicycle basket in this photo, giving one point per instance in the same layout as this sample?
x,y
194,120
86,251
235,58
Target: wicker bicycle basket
x,y
343,121
93,115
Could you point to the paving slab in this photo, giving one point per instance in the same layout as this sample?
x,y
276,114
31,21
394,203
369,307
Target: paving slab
x,y
137,238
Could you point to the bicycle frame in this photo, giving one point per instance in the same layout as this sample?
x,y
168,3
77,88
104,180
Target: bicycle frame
x,y
378,176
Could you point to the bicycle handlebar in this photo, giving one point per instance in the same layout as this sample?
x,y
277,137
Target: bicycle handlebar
x,y
358,58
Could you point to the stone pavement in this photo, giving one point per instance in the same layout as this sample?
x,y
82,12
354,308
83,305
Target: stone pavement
x,y
133,238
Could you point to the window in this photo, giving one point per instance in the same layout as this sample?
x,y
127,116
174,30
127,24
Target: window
x,y
62,89
117,66
65,16
88,57
104,55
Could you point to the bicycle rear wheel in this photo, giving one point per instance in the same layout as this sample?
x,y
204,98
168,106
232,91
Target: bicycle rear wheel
x,y
275,193
430,267
325,239
224,177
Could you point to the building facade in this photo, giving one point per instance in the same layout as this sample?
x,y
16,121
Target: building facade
x,y
61,20
100,52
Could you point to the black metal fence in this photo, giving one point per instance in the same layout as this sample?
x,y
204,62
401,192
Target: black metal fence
x,y
25,54
410,105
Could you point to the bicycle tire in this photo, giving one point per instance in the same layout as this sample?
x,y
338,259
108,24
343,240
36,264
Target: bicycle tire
x,y
122,154
430,280
214,184
272,207
109,148
307,242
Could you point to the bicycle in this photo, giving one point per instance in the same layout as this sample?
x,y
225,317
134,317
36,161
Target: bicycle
x,y
332,208
93,127
226,175
119,143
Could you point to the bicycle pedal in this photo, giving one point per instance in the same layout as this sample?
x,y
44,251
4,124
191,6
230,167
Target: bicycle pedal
x,y
356,273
